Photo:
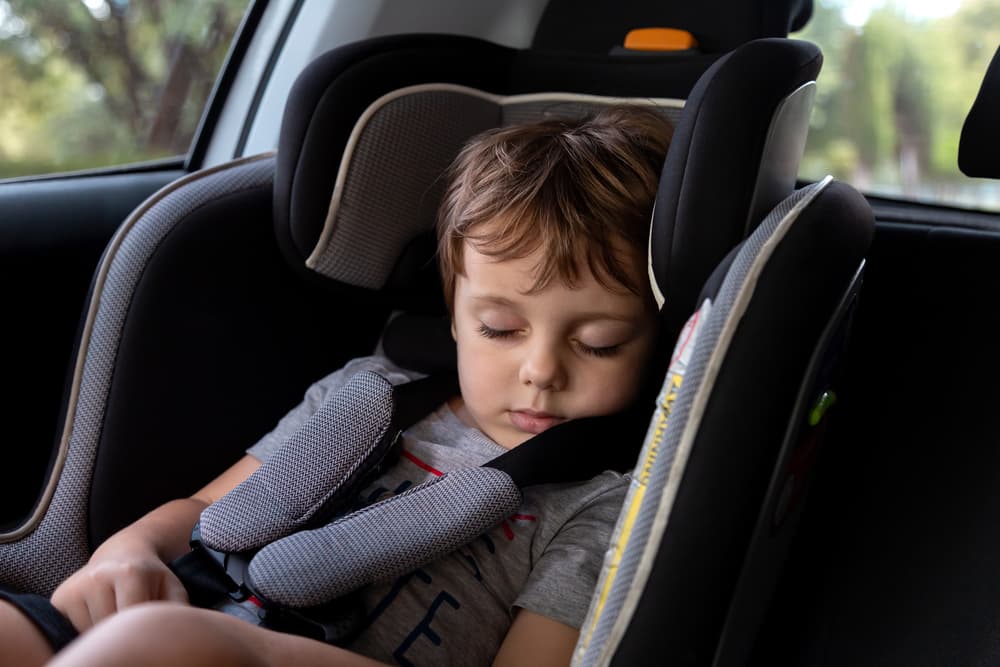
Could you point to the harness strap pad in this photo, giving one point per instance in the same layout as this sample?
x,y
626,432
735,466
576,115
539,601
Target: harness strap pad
x,y
343,443
378,542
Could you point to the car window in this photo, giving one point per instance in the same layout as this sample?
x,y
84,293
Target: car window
x,y
898,80
96,83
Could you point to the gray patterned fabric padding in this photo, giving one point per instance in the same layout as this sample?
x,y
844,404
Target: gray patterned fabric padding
x,y
378,543
393,184
620,587
391,178
284,493
43,553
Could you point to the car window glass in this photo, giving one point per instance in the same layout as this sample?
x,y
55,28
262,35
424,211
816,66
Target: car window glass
x,y
95,83
898,79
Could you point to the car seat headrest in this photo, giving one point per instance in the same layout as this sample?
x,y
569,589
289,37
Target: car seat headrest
x,y
391,173
370,129
600,25
977,149
332,111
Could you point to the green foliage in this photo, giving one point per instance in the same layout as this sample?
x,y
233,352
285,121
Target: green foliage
x,y
90,83
893,96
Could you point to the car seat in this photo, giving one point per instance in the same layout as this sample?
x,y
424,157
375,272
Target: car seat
x,y
740,421
200,332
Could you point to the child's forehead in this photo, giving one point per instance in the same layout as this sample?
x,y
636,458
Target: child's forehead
x,y
502,239
530,272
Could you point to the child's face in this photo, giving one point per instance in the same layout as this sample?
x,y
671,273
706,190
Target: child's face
x,y
528,361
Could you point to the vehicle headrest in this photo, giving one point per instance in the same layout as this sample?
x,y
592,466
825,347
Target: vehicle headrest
x,y
597,26
370,128
978,147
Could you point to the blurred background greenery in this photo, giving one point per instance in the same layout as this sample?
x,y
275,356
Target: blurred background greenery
x,y
92,83
898,80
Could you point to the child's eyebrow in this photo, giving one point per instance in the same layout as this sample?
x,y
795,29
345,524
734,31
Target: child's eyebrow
x,y
586,316
493,299
613,317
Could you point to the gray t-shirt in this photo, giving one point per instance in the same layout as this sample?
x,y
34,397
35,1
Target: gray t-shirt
x,y
546,557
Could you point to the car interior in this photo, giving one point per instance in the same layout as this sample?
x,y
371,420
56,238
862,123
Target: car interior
x,y
172,313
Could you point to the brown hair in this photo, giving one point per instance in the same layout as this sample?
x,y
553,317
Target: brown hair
x,y
574,188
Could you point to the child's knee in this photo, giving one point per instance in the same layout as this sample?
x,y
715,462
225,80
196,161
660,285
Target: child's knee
x,y
153,617
157,633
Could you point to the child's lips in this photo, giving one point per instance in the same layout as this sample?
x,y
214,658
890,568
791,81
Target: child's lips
x,y
530,421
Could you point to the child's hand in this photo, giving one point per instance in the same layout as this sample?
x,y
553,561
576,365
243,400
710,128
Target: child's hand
x,y
121,573
130,567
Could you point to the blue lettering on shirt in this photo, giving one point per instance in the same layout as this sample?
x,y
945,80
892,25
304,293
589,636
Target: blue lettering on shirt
x,y
397,586
424,628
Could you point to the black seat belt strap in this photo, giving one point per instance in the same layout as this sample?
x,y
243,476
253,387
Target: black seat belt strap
x,y
577,450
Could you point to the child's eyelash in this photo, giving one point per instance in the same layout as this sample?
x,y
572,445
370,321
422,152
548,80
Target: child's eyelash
x,y
601,352
489,332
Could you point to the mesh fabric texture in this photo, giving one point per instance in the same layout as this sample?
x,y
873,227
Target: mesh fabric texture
x,y
394,183
284,493
389,191
384,540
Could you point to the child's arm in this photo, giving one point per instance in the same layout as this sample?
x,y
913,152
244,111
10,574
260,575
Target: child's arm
x,y
130,566
536,640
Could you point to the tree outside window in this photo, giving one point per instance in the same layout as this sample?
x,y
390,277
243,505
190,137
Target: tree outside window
x,y
898,80
95,83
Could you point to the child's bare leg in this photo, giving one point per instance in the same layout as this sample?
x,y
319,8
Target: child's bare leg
x,y
23,644
170,634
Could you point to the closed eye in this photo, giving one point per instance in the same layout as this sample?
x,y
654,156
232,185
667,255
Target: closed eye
x,y
490,332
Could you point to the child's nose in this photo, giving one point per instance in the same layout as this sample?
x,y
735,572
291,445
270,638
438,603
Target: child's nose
x,y
542,368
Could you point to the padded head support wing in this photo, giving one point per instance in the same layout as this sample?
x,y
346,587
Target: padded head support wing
x,y
734,156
